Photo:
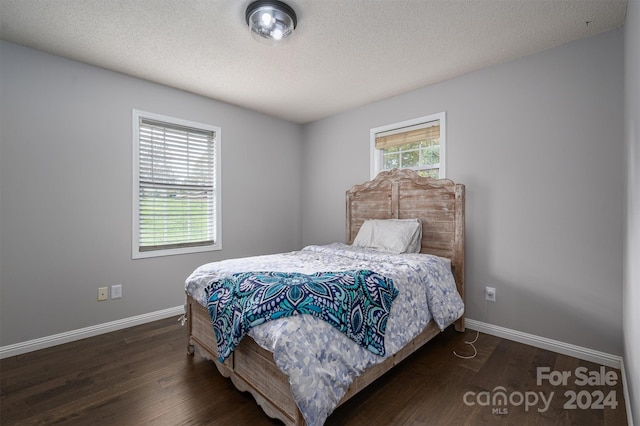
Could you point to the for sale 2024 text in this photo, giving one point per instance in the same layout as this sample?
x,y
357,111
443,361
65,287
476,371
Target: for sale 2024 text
x,y
582,376
595,399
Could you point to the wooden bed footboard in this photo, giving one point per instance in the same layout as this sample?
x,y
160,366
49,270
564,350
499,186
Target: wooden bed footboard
x,y
252,368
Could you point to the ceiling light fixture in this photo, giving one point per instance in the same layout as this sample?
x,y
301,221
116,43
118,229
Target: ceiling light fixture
x,y
270,20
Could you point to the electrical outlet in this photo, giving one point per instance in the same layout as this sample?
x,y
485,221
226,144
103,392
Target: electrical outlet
x,y
490,294
102,293
116,291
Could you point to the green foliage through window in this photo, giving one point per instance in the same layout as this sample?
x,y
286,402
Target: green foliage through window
x,y
176,185
423,156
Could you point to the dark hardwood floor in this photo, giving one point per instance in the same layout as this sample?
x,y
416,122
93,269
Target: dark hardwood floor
x,y
142,375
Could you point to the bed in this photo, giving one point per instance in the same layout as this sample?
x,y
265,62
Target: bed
x,y
438,205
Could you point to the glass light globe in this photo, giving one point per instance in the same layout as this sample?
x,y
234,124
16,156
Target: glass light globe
x,y
270,21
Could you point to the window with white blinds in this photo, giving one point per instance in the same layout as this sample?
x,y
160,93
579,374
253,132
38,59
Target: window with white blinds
x,y
417,144
176,197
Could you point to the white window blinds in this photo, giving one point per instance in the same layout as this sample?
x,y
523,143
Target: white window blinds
x,y
177,186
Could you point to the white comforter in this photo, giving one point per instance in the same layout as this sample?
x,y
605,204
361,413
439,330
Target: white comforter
x,y
320,361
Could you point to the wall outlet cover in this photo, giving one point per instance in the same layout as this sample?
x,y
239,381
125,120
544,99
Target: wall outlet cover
x,y
116,291
103,293
490,294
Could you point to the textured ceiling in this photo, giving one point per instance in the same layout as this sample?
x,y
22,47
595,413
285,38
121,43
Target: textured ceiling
x,y
343,54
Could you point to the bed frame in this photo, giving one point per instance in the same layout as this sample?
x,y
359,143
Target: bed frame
x,y
399,194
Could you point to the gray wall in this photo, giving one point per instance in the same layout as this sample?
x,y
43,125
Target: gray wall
x,y
539,144
631,293
538,141
65,205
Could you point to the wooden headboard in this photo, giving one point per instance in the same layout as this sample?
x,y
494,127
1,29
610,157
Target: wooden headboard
x,y
403,194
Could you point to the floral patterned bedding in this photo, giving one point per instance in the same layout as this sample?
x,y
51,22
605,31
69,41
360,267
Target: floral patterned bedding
x,y
320,361
356,303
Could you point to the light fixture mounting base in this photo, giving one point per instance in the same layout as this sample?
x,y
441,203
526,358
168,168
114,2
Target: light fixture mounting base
x,y
271,3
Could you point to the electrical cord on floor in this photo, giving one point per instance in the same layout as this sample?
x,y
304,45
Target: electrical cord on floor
x,y
471,343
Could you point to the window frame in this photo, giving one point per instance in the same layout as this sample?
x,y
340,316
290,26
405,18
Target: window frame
x,y
217,213
376,155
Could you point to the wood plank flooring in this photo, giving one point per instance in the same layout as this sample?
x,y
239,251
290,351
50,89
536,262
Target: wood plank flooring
x,y
142,375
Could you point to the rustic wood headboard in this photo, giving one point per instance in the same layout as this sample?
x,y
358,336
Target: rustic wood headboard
x,y
403,194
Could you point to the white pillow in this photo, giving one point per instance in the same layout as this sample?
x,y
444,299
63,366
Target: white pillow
x,y
392,235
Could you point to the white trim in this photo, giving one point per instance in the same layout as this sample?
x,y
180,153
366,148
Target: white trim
x,y
613,361
82,333
443,144
625,390
135,249
579,352
375,160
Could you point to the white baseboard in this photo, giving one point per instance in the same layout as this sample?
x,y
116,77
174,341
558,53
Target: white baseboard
x,y
579,352
625,389
82,333
613,361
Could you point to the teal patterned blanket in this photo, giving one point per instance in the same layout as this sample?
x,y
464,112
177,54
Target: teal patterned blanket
x,y
355,302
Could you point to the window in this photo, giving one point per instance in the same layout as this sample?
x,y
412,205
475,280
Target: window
x,y
176,195
417,144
